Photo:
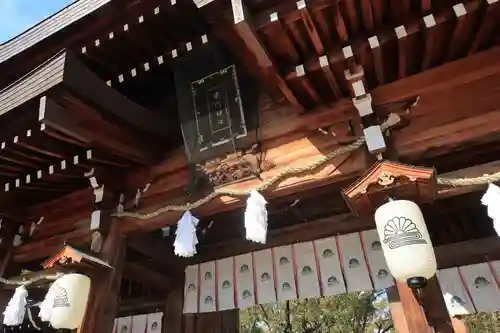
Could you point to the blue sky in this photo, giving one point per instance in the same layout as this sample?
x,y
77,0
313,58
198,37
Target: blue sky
x,y
18,15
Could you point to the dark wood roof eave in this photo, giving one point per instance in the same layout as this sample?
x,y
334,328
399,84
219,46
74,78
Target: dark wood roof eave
x,y
65,69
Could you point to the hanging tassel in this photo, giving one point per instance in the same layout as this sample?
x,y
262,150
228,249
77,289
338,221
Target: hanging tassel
x,y
15,310
48,302
491,199
185,236
256,218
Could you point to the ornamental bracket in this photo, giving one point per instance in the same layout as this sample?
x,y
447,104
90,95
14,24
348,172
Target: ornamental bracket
x,y
387,179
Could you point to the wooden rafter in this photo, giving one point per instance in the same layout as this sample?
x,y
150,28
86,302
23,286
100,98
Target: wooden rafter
x,y
146,276
244,41
375,52
158,249
464,74
310,28
84,124
487,26
462,33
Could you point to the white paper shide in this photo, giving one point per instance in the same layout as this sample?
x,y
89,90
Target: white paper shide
x,y
256,218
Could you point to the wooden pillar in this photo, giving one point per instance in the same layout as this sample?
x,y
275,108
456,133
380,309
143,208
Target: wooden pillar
x,y
409,316
459,325
103,302
6,249
214,322
172,318
435,307
230,321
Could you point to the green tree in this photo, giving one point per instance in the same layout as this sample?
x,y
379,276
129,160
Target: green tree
x,y
362,312
483,322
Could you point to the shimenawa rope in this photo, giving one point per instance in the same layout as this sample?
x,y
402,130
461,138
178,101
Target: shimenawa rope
x,y
30,281
393,120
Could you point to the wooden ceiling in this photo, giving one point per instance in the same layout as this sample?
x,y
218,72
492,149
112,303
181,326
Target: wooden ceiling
x,y
60,121
312,43
70,27
119,57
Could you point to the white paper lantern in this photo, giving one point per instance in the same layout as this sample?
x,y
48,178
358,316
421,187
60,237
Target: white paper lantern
x,y
70,302
405,241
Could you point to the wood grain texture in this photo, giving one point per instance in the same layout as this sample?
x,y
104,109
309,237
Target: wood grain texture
x,y
478,75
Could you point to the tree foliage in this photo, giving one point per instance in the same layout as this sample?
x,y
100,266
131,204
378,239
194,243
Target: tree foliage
x,y
483,322
350,312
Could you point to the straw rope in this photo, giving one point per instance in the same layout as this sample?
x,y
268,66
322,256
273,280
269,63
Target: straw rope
x,y
481,180
27,282
293,171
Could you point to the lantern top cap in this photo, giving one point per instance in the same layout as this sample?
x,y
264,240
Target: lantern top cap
x,y
71,255
388,179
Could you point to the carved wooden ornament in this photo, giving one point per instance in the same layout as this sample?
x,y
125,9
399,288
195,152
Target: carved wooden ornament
x,y
71,256
387,179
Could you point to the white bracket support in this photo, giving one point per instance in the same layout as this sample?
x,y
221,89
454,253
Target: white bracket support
x,y
375,141
96,242
34,225
363,104
347,51
165,231
98,189
120,208
17,240
139,193
99,194
95,226
95,220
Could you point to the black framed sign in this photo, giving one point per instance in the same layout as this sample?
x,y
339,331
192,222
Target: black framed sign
x,y
217,108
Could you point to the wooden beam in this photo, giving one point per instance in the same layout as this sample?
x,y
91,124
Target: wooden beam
x,y
138,304
457,73
462,33
307,231
340,25
487,26
378,60
406,45
174,306
432,46
90,88
425,315
468,252
88,127
338,169
310,28
103,302
147,277
39,249
159,249
274,33
406,313
410,142
244,42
